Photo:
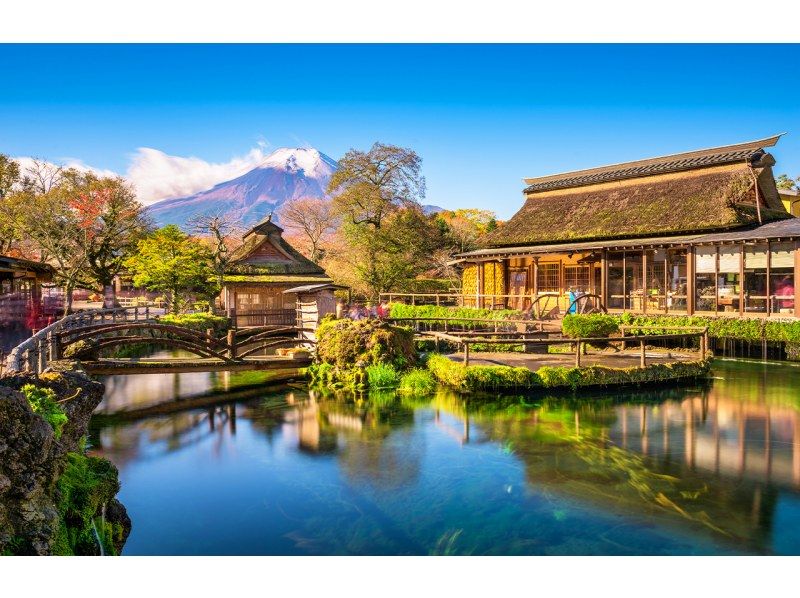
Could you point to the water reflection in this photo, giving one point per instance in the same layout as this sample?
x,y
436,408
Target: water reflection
x,y
706,470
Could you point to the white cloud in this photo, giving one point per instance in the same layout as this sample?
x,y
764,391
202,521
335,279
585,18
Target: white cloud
x,y
157,175
26,162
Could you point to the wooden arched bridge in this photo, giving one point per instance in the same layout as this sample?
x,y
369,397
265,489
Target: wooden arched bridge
x,y
84,336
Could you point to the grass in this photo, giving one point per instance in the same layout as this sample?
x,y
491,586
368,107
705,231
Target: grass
x,y
382,375
43,402
417,382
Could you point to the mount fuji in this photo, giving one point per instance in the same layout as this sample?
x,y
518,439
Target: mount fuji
x,y
286,174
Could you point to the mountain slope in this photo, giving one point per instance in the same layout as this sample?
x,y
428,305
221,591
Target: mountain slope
x,y
287,173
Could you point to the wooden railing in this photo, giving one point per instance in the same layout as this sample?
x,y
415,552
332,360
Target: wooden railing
x,y
34,353
687,332
265,317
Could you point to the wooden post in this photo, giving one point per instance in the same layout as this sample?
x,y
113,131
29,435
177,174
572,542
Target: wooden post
x,y
690,293
624,344
643,359
578,354
232,343
209,336
147,312
42,355
466,354
704,344
136,313
52,341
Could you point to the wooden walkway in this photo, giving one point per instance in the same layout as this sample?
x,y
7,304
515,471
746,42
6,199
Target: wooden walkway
x,y
176,366
534,361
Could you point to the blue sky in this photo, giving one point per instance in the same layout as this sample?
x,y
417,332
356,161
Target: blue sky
x,y
481,116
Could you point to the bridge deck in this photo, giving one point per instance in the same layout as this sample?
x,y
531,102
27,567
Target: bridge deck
x,y
170,366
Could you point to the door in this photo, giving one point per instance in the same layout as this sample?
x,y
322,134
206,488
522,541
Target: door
x,y
518,286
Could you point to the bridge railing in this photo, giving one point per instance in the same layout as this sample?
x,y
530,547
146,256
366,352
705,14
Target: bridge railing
x,y
34,353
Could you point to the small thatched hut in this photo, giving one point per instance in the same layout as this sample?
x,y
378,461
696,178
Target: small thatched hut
x,y
260,272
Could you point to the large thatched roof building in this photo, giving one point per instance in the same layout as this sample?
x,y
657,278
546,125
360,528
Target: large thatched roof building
x,y
700,232
261,270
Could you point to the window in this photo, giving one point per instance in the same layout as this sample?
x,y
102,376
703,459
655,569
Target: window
x,y
633,281
676,280
755,278
705,267
577,278
616,280
729,261
781,278
655,291
547,278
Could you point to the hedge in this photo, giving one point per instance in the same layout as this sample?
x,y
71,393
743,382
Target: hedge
x,y
483,377
402,310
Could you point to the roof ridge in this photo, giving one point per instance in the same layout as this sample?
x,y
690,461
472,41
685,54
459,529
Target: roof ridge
x,y
656,165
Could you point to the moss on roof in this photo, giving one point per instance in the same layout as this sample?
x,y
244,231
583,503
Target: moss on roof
x,y
261,278
694,202
299,264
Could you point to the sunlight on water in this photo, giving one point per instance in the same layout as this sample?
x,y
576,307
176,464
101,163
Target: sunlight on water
x,y
224,465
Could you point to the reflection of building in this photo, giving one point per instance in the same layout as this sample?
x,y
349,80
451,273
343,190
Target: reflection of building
x,y
701,232
260,272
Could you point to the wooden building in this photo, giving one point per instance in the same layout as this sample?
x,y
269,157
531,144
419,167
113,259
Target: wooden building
x,y
21,297
703,232
261,270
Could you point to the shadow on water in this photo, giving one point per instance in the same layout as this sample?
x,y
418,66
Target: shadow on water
x,y
705,469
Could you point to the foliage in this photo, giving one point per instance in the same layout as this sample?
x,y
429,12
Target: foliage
x,y
346,343
171,262
479,377
200,321
82,349
589,325
460,314
85,486
222,235
382,375
784,181
417,382
43,402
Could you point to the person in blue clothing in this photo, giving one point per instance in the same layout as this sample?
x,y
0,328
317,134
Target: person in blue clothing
x,y
572,295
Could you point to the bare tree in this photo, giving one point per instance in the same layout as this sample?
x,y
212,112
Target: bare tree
x,y
312,218
223,234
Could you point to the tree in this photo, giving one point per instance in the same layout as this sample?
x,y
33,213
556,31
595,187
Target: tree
x,y
222,235
368,186
171,262
9,175
111,221
784,182
312,219
466,226
384,232
9,178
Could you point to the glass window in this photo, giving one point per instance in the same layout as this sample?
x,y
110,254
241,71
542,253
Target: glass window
x,y
676,280
577,278
705,266
781,278
616,281
634,281
755,278
728,276
655,294
547,278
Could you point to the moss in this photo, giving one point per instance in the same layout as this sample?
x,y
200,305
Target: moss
x,y
461,315
43,402
481,377
200,321
589,325
417,382
346,343
85,486
83,349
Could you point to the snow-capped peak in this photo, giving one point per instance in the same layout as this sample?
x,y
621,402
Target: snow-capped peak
x,y
312,162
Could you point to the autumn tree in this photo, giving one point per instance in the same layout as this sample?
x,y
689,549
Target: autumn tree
x,y
9,179
312,219
784,181
111,222
466,226
171,262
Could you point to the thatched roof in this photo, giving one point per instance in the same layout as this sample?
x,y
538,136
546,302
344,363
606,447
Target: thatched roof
x,y
705,199
265,252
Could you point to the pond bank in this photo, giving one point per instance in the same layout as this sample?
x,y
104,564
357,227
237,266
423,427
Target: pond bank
x,y
52,496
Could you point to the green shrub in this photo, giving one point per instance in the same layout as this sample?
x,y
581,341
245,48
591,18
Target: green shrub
x,y
345,343
382,375
417,382
589,325
200,321
461,314
480,377
43,402
83,349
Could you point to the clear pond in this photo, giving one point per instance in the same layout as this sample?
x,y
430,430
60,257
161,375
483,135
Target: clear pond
x,y
239,468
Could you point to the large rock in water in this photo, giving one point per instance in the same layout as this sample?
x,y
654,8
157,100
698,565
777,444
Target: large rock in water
x,y
32,461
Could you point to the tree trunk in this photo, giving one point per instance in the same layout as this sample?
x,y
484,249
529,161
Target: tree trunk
x,y
68,288
110,296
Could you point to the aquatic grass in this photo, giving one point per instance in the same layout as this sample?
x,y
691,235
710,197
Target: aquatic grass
x,y
382,375
417,382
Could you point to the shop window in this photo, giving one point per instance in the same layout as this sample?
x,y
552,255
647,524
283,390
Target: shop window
x,y
547,278
616,280
729,261
781,278
705,267
755,279
655,285
577,278
676,280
